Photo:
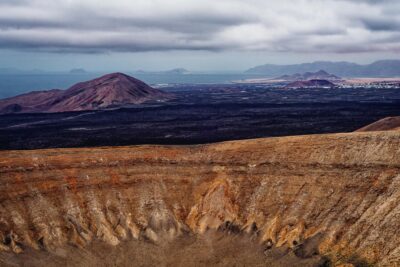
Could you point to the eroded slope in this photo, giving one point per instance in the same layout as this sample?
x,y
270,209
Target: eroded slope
x,y
340,193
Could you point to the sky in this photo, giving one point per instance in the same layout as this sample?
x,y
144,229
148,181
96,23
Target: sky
x,y
200,35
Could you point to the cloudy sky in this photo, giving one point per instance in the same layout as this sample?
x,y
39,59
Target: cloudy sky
x,y
196,34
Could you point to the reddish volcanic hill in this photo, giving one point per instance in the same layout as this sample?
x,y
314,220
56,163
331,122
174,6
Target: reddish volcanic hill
x,y
386,124
319,75
311,84
111,90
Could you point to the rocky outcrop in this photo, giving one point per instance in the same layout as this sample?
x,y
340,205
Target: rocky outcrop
x,y
334,195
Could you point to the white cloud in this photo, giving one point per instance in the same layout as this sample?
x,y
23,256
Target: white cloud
x,y
147,25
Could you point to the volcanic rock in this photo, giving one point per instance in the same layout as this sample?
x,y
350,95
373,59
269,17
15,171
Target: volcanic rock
x,y
109,91
319,75
311,84
328,196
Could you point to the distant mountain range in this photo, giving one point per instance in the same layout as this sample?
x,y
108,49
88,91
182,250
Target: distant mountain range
x,y
177,71
12,71
111,90
319,75
382,68
78,71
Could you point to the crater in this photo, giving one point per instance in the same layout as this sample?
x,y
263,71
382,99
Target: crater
x,y
320,200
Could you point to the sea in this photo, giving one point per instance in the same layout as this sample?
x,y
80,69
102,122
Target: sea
x,y
15,84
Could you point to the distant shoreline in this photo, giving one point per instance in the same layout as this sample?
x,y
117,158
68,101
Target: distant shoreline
x,y
355,80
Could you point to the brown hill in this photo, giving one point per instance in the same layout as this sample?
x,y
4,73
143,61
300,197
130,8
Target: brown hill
x,y
289,201
111,90
311,84
319,75
386,124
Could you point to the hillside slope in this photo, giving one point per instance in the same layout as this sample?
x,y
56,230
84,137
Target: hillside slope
x,y
311,84
111,90
319,75
385,124
335,195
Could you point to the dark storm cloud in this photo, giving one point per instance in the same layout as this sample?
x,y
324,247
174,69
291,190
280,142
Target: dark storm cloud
x,y
89,26
381,24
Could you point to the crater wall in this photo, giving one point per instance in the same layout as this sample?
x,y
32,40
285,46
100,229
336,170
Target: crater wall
x,y
340,191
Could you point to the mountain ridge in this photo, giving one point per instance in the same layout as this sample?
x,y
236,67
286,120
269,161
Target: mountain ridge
x,y
380,68
319,75
175,71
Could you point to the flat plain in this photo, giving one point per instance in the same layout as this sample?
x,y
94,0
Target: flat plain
x,y
203,114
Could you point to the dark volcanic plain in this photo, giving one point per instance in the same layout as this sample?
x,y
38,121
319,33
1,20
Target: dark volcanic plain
x,y
203,114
